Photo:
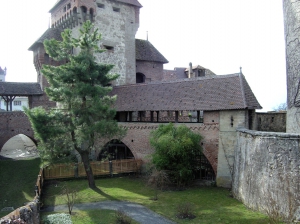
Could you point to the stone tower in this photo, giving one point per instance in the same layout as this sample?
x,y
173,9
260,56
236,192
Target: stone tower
x,y
2,74
117,21
291,11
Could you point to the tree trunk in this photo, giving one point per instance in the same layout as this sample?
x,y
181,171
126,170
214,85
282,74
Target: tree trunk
x,y
88,169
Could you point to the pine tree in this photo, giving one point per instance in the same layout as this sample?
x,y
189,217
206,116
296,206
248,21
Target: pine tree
x,y
81,87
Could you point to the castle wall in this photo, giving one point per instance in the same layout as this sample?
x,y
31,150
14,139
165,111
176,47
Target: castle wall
x,y
291,11
229,122
273,122
152,70
266,172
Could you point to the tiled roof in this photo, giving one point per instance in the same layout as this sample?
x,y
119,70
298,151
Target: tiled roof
x,y
20,89
50,33
227,92
130,2
145,51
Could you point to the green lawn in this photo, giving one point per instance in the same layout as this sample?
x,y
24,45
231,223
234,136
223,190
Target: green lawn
x,y
17,181
212,205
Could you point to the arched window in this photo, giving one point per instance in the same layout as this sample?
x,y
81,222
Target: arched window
x,y
92,15
140,77
83,13
115,150
75,10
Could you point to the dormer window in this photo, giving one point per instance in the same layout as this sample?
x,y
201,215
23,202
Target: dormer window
x,y
116,9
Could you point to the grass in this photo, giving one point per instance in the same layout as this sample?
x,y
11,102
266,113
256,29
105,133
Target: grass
x,y
211,205
17,181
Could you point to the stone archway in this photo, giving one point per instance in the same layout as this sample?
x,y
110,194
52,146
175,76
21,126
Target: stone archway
x,y
115,150
18,147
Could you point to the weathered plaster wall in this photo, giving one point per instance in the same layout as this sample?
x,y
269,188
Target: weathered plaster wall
x,y
229,122
291,12
266,172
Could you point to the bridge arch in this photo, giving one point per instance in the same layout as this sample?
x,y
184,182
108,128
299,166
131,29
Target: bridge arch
x,y
115,150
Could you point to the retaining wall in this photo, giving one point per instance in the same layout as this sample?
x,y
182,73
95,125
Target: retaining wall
x,y
266,172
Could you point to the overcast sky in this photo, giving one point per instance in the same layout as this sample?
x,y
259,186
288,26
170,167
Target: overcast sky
x,y
220,35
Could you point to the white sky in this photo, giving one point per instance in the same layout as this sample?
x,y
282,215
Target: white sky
x,y
221,35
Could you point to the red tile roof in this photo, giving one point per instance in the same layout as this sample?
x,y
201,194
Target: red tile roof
x,y
227,92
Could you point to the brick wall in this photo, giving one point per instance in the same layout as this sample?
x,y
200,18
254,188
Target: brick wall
x,y
137,139
14,123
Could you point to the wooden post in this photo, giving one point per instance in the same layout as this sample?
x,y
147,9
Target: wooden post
x,y
151,116
198,116
157,116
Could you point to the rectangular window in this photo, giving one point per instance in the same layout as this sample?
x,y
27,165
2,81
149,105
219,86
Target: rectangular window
x,y
116,9
17,103
101,6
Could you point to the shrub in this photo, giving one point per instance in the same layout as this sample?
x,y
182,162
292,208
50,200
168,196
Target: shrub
x,y
176,150
60,218
185,211
122,218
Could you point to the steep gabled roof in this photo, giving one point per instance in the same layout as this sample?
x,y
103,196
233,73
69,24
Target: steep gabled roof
x,y
226,92
20,89
145,51
50,33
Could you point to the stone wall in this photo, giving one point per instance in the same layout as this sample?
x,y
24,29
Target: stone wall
x,y
273,122
266,172
291,12
152,70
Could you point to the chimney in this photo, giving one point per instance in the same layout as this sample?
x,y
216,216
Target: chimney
x,y
190,71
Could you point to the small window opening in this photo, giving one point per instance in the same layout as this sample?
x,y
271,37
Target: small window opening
x,y
109,48
69,6
116,9
140,77
65,9
101,6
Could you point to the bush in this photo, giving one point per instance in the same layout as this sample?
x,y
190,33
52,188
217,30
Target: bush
x,y
60,218
176,151
122,218
185,211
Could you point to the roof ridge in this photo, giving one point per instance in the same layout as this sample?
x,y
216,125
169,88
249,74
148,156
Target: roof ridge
x,y
241,76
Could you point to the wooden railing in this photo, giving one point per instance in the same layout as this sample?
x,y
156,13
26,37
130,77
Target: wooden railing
x,y
59,171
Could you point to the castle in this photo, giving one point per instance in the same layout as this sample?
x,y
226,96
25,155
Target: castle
x,y
262,168
148,94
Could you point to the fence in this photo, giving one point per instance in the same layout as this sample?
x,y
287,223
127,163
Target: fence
x,y
58,171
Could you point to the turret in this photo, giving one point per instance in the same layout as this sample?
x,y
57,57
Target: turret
x,y
2,74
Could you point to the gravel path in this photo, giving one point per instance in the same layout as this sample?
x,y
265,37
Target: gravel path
x,y
137,212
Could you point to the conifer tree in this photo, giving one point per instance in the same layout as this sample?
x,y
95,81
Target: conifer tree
x,y
81,87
